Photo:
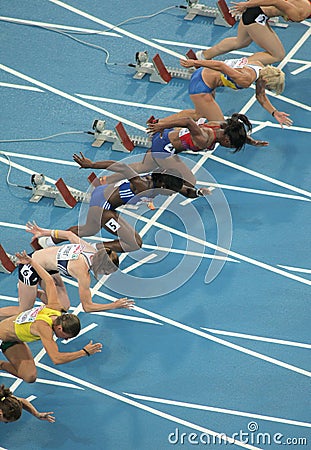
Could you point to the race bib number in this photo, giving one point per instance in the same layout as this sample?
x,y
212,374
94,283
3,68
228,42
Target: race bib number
x,y
113,225
69,252
169,148
29,315
236,63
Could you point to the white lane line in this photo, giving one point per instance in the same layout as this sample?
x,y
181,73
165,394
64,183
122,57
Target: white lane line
x,y
140,263
126,103
84,330
189,253
10,299
125,317
286,100
20,86
202,334
223,250
295,269
40,158
260,175
116,28
23,169
42,381
69,97
147,246
56,27
252,191
296,47
301,69
219,410
146,408
257,338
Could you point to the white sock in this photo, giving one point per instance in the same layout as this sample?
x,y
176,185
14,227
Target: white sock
x,y
199,54
45,241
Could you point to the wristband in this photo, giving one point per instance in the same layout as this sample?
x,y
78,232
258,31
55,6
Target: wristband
x,y
88,354
273,112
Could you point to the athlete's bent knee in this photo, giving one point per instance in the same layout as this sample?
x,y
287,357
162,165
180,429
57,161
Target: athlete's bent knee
x,y
30,377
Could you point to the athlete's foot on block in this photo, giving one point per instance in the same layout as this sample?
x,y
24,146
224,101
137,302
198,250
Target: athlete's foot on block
x,y
8,263
42,242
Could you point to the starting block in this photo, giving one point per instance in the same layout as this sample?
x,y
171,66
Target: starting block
x,y
121,140
157,70
63,195
220,13
8,263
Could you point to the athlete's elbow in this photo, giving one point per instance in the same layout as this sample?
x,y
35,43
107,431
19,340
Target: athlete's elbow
x,y
57,360
87,307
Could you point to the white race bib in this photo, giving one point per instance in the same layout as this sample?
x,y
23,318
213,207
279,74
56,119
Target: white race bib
x,y
236,63
69,251
28,316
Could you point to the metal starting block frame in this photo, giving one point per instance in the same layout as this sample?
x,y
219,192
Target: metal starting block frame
x,y
158,72
121,140
220,13
63,195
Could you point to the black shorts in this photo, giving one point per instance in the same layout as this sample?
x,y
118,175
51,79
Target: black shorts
x,y
5,345
28,275
254,15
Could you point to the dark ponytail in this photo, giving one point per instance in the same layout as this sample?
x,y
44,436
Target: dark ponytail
x,y
11,407
236,128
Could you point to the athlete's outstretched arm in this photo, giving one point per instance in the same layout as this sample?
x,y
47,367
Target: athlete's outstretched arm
x,y
114,166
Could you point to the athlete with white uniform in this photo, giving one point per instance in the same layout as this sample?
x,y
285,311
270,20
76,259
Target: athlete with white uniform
x,y
76,260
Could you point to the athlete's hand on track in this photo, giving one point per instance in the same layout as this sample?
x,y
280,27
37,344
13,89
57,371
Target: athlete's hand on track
x,y
123,303
84,163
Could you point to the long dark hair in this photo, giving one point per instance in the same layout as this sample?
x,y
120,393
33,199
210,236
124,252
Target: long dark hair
x,y
11,407
236,128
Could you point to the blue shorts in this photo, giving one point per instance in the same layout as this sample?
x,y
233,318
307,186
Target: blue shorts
x,y
161,145
98,197
197,85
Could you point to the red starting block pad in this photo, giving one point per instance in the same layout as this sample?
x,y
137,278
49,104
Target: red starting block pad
x,y
65,193
6,264
161,69
124,137
191,55
223,8
93,179
35,244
